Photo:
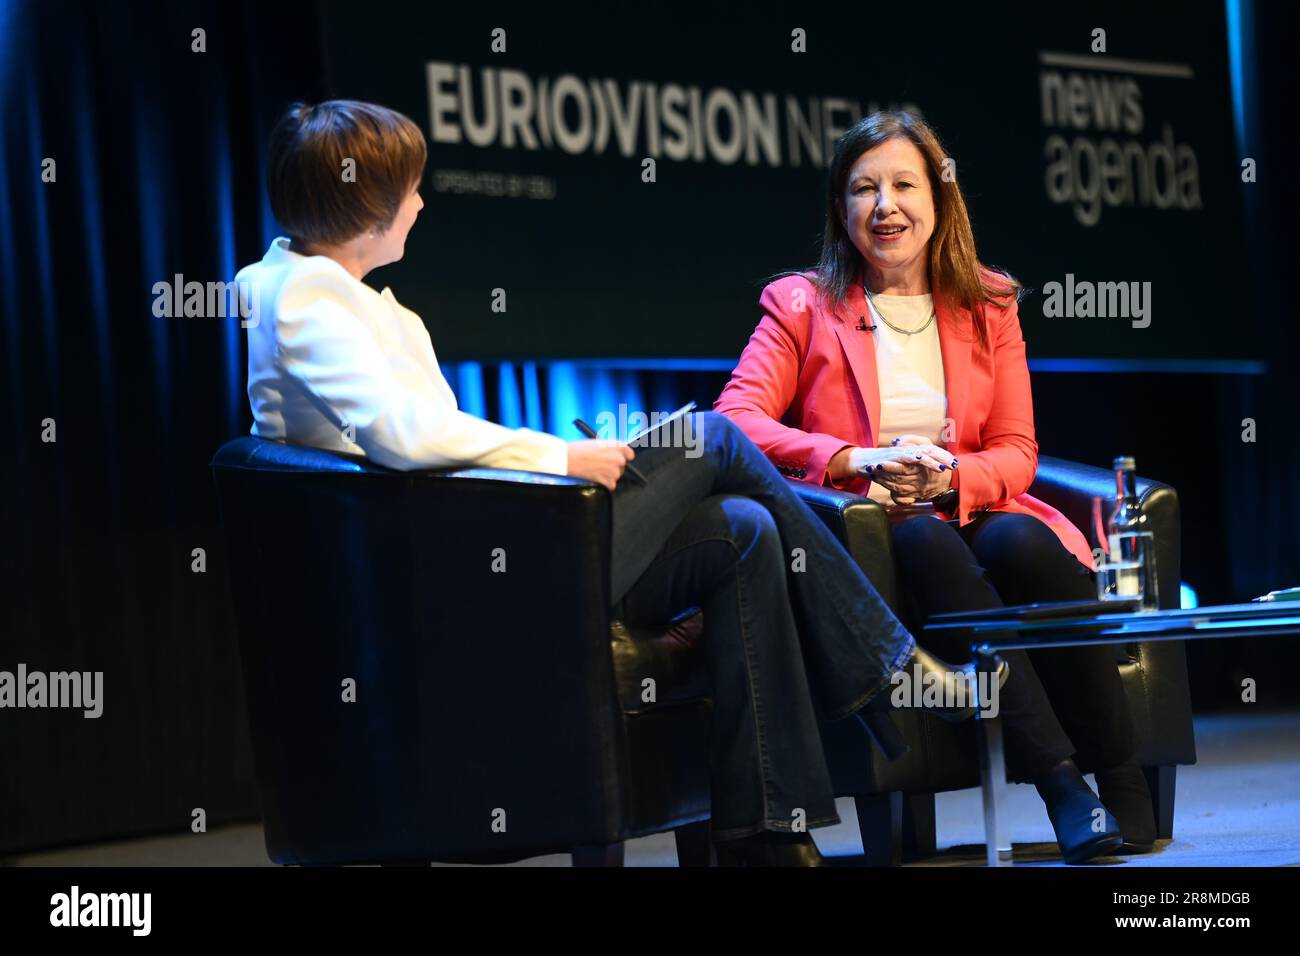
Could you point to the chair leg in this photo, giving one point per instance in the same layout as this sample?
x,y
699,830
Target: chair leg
x,y
695,844
1161,782
880,821
919,837
598,854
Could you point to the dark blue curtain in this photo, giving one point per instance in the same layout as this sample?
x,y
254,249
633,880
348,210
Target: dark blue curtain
x,y
157,154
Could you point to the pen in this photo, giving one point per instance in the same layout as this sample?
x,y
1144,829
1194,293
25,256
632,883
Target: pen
x,y
591,433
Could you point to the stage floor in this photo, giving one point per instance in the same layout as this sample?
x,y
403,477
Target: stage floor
x,y
1239,806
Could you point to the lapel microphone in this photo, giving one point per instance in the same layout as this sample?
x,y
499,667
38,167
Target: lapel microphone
x,y
862,325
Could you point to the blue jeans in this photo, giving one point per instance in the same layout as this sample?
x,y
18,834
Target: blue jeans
x,y
793,628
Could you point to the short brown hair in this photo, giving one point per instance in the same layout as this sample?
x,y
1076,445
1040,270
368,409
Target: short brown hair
x,y
311,198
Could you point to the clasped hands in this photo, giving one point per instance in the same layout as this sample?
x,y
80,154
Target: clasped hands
x,y
911,467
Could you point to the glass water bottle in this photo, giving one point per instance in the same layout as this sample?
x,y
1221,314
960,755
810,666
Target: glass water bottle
x,y
1130,571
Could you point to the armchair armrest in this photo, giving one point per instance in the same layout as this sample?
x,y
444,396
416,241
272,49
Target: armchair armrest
x,y
862,526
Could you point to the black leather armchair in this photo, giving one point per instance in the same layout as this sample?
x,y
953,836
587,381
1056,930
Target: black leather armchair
x,y
895,801
482,730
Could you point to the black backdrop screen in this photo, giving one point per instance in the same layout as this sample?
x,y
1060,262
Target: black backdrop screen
x,y
1108,168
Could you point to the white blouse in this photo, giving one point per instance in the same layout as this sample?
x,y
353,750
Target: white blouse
x,y
910,371
334,364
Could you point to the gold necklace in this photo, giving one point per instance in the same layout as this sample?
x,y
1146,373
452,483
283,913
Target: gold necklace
x,y
909,332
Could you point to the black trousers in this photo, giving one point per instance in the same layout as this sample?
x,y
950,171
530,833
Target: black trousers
x,y
1058,702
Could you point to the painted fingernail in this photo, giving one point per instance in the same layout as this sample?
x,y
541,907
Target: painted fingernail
x,y
894,442
943,467
918,457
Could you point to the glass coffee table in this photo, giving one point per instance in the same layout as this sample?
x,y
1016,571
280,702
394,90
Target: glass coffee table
x,y
1047,626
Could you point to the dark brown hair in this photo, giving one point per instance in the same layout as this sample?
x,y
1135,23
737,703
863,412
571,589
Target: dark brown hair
x,y
310,195
956,274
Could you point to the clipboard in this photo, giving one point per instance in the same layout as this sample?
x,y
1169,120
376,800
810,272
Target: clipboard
x,y
667,420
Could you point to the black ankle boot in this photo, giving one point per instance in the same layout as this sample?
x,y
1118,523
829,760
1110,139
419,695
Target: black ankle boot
x,y
1124,791
1081,832
770,848
955,681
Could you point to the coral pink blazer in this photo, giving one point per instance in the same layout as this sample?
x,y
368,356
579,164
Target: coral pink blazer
x,y
806,386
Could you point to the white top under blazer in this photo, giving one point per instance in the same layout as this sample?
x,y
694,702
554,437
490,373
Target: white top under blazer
x,y
913,398
334,364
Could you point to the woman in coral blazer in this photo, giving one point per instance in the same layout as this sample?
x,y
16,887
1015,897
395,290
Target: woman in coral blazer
x,y
897,370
